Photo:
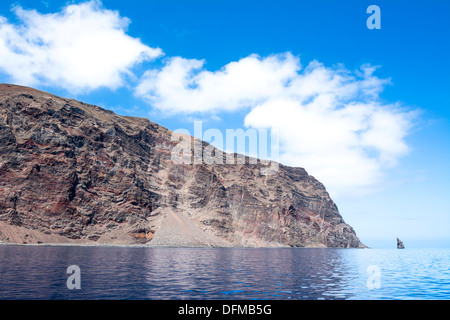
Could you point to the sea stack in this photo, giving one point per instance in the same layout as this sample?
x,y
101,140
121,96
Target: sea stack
x,y
400,244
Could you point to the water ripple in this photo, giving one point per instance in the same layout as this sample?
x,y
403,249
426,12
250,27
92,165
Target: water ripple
x,y
159,273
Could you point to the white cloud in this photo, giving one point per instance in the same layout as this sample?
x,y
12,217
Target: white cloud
x,y
182,85
83,47
331,121
347,147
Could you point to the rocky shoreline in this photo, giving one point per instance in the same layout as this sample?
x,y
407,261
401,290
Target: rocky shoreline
x,y
170,236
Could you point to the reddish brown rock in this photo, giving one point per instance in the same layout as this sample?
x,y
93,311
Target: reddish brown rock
x,y
74,171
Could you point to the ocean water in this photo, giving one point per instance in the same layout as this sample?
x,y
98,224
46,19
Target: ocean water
x,y
218,274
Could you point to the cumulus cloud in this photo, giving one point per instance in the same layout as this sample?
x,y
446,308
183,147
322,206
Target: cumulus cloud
x,y
347,147
330,121
83,47
183,86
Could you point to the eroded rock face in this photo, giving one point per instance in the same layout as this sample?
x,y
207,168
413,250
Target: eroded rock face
x,y
400,244
87,175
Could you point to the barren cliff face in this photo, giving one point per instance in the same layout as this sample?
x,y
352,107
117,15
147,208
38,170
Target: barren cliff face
x,y
76,173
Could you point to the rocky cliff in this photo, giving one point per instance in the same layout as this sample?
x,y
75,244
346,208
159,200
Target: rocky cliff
x,y
75,173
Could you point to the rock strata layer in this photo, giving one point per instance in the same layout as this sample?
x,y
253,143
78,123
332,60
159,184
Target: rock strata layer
x,y
71,172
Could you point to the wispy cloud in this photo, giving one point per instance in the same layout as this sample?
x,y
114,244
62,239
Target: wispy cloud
x,y
83,47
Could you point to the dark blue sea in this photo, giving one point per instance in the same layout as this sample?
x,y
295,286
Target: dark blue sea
x,y
41,273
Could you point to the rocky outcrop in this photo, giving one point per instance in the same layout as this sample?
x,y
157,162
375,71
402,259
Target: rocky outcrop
x,y
400,244
81,174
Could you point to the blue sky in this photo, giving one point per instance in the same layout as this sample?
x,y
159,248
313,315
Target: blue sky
x,y
389,175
